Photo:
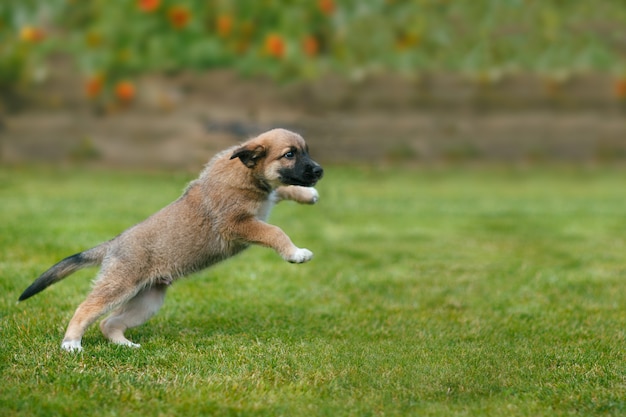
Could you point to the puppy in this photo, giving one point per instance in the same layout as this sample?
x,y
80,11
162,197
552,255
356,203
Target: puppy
x,y
220,214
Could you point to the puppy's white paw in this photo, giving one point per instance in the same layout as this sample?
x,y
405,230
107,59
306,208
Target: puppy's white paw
x,y
314,197
300,256
71,346
129,344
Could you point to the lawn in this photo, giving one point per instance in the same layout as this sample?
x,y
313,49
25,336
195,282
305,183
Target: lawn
x,y
433,292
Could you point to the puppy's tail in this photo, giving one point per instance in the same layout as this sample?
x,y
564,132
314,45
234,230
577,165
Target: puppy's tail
x,y
62,269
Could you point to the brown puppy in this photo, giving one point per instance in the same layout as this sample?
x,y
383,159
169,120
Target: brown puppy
x,y
220,214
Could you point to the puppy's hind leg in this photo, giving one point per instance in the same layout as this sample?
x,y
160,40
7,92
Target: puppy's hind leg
x,y
132,314
99,301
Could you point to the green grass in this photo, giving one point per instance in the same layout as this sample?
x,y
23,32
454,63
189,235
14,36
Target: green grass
x,y
433,292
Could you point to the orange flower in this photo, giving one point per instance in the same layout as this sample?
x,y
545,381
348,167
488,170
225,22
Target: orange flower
x,y
620,88
179,16
148,6
310,45
93,86
31,34
274,45
224,25
125,91
327,7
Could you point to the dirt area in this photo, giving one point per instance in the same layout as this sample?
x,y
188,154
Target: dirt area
x,y
180,121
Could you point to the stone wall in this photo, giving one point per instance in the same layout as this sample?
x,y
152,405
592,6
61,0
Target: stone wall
x,y
180,121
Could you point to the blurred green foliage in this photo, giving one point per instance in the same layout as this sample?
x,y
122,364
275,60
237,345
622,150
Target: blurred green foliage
x,y
296,39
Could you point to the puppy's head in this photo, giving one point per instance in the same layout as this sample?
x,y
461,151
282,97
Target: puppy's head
x,y
279,157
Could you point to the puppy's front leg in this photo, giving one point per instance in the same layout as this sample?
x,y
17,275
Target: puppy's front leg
x,y
261,233
302,195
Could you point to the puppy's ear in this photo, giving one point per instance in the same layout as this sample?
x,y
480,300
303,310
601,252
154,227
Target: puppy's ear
x,y
249,154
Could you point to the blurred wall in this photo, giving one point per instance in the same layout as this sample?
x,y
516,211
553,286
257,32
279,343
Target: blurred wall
x,y
180,121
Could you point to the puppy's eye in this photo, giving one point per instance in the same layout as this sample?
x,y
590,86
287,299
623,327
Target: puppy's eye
x,y
289,155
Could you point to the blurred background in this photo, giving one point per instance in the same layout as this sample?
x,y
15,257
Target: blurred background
x,y
166,83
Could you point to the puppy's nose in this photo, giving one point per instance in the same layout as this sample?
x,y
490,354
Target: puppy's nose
x,y
318,171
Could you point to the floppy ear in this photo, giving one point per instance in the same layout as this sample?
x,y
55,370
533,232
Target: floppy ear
x,y
249,154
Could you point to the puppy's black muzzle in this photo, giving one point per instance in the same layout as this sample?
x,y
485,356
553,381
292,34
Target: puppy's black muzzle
x,y
314,172
311,173
306,173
